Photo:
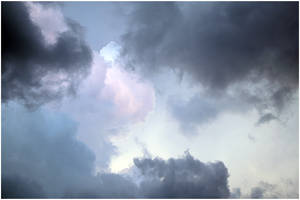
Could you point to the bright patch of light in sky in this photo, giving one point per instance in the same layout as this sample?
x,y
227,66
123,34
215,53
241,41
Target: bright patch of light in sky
x,y
111,51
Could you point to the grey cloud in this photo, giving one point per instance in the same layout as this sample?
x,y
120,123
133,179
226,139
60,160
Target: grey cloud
x,y
221,45
264,190
41,151
104,185
27,61
267,190
17,187
257,193
201,109
251,138
41,158
193,113
266,118
235,193
280,97
182,178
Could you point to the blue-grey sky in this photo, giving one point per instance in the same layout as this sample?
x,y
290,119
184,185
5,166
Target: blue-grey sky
x,y
103,21
150,100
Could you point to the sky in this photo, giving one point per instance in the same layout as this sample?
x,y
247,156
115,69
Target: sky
x,y
150,100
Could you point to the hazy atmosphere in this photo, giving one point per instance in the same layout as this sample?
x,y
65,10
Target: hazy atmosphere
x,y
149,100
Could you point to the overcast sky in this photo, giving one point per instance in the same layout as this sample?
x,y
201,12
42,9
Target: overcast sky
x,y
151,100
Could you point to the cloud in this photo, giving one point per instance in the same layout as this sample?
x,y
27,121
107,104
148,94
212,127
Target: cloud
x,y
108,101
40,64
235,193
218,43
194,112
132,98
182,178
201,109
125,95
49,19
257,193
42,158
280,97
266,118
285,189
251,138
247,49
17,187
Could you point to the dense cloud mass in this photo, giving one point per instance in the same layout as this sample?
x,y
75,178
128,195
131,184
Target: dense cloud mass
x,y
41,157
34,71
224,46
219,43
182,178
40,153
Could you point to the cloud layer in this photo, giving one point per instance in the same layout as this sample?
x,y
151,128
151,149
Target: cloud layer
x,y
246,52
34,71
219,43
182,178
41,157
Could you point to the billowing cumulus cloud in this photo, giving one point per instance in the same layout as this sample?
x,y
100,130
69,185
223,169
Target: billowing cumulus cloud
x,y
223,46
182,178
39,63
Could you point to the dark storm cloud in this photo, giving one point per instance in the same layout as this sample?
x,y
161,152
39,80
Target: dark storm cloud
x,y
17,187
221,45
27,60
182,178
